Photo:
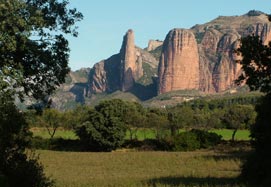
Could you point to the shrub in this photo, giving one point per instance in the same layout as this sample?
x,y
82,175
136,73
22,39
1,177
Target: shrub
x,y
18,168
101,133
58,144
194,139
186,141
207,139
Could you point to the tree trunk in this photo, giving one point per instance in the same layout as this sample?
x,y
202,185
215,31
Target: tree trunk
x,y
233,135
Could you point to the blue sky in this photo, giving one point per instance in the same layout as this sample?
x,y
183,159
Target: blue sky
x,y
106,21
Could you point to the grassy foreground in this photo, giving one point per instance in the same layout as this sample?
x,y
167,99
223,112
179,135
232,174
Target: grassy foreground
x,y
146,169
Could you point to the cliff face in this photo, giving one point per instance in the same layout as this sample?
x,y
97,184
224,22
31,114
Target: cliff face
x,y
105,75
120,71
153,44
179,63
201,58
131,62
216,41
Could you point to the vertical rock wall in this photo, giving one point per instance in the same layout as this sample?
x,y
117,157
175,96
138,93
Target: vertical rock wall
x,y
179,63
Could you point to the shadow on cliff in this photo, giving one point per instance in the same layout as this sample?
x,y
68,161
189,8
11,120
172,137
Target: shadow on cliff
x,y
144,92
193,181
79,90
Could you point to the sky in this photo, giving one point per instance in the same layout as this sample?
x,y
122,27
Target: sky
x,y
106,22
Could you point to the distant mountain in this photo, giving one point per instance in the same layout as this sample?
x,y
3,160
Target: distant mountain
x,y
199,59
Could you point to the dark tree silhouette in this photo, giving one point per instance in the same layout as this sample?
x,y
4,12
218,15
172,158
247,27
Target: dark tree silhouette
x,y
256,63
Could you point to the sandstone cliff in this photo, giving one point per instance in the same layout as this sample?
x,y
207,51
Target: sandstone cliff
x,y
131,62
200,58
153,44
216,41
179,62
123,70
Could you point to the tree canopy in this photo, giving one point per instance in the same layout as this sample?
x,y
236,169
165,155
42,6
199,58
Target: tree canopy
x,y
33,62
103,129
255,61
33,49
256,64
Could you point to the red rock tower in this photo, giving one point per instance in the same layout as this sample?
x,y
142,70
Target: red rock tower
x,y
179,62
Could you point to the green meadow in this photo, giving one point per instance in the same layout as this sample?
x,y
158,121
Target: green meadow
x,y
141,134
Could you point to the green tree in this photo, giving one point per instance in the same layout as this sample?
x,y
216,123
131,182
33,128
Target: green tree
x,y
52,119
239,117
34,61
179,117
18,168
130,113
134,118
33,50
75,117
256,64
103,129
157,120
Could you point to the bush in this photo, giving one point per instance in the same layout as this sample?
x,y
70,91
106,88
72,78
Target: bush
x,y
57,144
26,171
101,133
18,168
194,139
149,144
186,141
207,139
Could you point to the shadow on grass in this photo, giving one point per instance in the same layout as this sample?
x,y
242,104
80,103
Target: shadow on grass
x,y
56,144
194,182
231,150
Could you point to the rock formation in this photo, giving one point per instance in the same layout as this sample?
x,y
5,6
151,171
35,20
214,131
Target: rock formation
x,y
131,63
179,64
201,58
122,70
153,44
216,41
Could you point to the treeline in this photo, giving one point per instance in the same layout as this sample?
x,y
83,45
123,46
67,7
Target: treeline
x,y
104,127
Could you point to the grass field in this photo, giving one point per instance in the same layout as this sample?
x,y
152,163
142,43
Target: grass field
x,y
60,133
146,169
226,134
141,134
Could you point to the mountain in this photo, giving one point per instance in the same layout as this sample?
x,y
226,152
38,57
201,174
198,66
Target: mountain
x,y
203,58
200,59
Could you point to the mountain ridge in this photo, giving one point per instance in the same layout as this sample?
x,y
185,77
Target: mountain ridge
x,y
135,71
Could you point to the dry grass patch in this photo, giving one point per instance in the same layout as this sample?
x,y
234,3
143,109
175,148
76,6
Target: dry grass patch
x,y
200,168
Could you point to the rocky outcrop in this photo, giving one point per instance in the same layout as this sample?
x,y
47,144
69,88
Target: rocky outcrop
x,y
216,41
99,79
201,58
153,44
121,71
131,62
179,64
105,76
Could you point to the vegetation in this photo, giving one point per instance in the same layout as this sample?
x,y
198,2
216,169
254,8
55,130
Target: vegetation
x,y
256,63
34,51
34,61
239,117
104,129
17,167
157,52
146,169
140,134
